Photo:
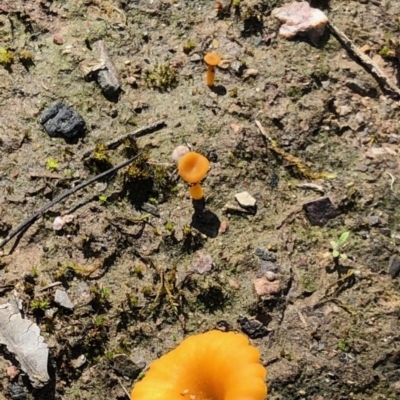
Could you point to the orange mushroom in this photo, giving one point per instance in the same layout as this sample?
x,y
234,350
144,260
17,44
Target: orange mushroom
x,y
210,366
192,168
212,60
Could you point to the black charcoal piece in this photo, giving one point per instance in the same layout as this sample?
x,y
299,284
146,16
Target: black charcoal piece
x,y
59,120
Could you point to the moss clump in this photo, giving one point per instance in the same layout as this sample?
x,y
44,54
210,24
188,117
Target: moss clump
x,y
6,57
163,77
100,159
26,57
189,46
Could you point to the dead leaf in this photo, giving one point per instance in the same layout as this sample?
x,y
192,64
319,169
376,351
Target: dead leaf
x,y
22,338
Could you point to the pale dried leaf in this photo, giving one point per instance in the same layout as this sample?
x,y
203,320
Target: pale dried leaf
x,y
22,338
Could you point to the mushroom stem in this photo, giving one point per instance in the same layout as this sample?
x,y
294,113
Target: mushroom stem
x,y
210,75
196,192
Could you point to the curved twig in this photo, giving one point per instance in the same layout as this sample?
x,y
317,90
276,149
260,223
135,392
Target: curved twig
x,y
24,225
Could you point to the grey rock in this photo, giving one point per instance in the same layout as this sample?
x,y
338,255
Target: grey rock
x,y
394,266
61,298
107,77
268,266
151,209
264,254
59,120
202,263
373,220
195,57
124,366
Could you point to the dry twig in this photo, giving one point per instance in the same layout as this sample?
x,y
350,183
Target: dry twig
x,y
367,62
144,130
41,211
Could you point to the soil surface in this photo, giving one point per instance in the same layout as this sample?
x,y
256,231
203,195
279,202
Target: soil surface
x,y
143,265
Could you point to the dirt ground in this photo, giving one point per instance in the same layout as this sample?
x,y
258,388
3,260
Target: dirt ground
x,y
328,327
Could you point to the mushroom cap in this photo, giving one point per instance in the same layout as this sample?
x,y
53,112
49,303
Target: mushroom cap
x,y
193,167
212,59
211,365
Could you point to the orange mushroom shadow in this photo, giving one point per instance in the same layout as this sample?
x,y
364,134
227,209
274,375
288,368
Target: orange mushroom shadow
x,y
210,366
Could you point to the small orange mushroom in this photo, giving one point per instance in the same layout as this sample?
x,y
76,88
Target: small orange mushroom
x,y
192,168
210,366
212,60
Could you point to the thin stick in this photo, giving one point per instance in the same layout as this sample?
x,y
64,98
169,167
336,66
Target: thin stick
x,y
60,198
365,60
51,285
123,388
144,130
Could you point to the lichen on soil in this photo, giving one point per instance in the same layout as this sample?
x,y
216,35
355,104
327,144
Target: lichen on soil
x,y
326,329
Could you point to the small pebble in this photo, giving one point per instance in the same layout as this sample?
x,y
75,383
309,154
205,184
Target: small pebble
x,y
203,263
223,227
271,276
394,266
179,152
264,287
233,284
57,39
12,371
61,298
245,200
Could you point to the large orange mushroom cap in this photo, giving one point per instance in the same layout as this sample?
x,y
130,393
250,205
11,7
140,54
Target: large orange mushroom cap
x,y
210,366
193,167
212,59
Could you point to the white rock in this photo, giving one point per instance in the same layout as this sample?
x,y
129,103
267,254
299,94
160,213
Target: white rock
x,y
245,200
58,223
300,19
179,152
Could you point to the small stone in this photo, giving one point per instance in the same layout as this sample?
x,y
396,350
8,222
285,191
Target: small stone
x,y
271,276
124,366
264,287
233,284
373,220
61,298
59,120
266,266
12,371
250,73
223,227
78,362
57,39
361,167
49,313
202,264
179,152
195,57
17,392
264,254
320,211
245,200
300,19
238,67
394,266
59,222
344,110
107,77
252,328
